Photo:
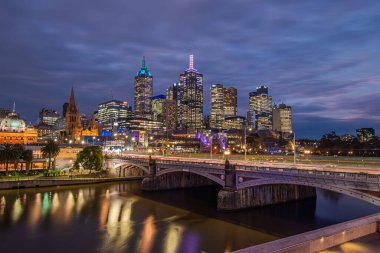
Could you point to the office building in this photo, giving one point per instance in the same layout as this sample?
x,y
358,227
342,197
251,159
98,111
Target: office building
x,y
48,116
216,107
235,122
108,112
260,104
190,99
143,92
157,107
223,104
282,119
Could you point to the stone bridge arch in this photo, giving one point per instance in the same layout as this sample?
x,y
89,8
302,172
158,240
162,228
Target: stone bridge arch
x,y
339,189
117,166
218,179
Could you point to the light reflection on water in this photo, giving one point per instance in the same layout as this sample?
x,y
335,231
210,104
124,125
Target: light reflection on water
x,y
112,218
109,218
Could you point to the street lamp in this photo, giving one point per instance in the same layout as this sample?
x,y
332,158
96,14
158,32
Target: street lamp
x,y
294,147
245,140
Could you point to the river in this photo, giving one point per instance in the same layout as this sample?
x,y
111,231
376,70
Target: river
x,y
118,217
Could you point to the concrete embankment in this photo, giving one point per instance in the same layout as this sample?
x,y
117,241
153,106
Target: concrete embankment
x,y
46,182
320,239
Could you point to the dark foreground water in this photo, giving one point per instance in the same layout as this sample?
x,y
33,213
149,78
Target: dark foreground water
x,y
119,218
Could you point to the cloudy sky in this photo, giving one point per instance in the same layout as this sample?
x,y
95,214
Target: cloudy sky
x,y
320,57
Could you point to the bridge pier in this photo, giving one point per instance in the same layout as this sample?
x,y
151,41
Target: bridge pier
x,y
231,198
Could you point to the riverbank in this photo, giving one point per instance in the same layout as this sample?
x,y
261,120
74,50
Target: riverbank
x,y
59,181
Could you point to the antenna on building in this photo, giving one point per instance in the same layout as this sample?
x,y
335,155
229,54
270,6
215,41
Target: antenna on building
x,y
191,61
143,65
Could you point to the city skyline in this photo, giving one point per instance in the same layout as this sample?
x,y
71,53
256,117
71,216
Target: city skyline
x,y
327,73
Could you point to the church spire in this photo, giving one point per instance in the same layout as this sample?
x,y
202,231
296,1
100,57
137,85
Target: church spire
x,y
72,99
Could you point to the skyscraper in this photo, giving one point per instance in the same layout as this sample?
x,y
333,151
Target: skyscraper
x,y
260,103
229,102
157,107
282,118
143,92
190,99
110,111
169,113
216,107
223,104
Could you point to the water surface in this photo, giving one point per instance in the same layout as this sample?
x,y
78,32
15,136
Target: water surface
x,y
118,217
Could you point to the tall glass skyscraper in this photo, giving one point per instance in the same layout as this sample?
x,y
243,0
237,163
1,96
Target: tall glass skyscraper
x,y
260,104
223,104
190,99
143,92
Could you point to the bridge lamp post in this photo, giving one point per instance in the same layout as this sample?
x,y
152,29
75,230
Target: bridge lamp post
x,y
207,135
245,141
226,153
133,143
151,139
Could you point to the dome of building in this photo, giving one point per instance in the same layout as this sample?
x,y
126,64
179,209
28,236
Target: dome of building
x,y
12,123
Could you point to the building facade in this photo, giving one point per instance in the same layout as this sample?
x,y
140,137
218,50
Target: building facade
x,y
223,104
190,99
143,92
48,116
216,106
110,111
282,119
236,122
13,130
157,107
230,102
260,104
169,114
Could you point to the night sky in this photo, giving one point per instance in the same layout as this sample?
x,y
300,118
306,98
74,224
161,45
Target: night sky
x,y
320,57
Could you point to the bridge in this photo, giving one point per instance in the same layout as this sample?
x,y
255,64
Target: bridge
x,y
247,184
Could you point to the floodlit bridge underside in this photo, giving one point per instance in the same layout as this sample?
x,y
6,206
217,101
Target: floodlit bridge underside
x,y
252,185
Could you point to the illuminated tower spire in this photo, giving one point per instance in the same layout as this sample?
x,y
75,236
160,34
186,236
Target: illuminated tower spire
x,y
143,65
14,106
191,61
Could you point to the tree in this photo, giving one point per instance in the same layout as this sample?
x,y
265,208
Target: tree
x,y
17,150
27,156
2,157
90,158
50,150
7,156
253,141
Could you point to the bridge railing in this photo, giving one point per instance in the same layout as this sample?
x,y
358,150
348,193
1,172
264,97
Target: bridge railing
x,y
360,177
318,173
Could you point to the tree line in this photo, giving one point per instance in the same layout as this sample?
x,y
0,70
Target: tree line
x,y
16,154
